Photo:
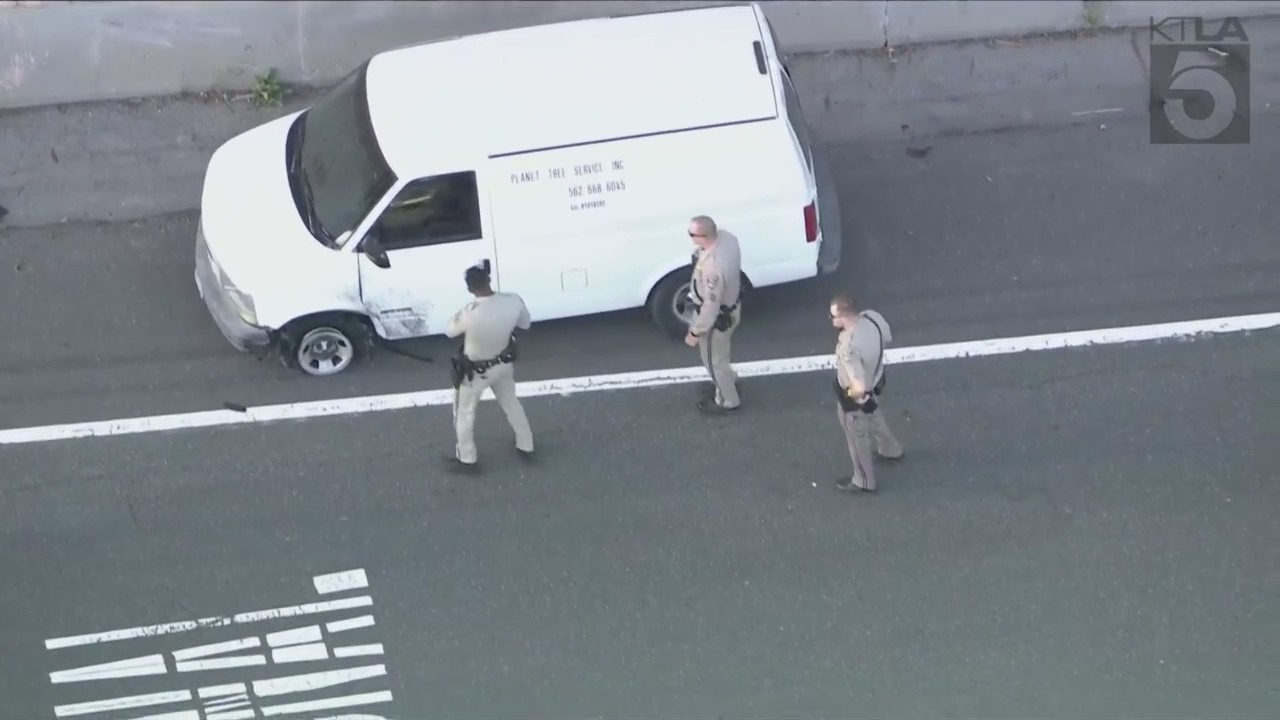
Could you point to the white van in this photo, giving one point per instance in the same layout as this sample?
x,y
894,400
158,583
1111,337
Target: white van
x,y
567,158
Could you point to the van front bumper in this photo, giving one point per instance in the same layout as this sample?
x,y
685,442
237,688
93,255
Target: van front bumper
x,y
241,335
829,221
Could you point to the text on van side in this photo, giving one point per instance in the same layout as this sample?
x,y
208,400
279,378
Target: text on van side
x,y
592,187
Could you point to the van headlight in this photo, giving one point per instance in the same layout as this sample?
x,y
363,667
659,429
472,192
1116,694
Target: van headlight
x,y
242,301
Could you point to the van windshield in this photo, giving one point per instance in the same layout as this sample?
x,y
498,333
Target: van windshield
x,y
336,169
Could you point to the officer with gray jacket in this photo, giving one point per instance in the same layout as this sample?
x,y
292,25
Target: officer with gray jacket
x,y
859,381
486,360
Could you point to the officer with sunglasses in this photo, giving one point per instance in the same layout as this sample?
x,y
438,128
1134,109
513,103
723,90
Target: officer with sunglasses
x,y
858,384
714,290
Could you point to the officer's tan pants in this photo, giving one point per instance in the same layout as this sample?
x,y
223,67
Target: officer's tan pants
x,y
714,349
859,431
501,380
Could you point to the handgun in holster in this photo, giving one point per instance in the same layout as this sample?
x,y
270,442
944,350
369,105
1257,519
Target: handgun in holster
x,y
459,367
868,405
462,367
724,318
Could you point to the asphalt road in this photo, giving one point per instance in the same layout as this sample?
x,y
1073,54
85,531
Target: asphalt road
x,y
1070,223
1082,533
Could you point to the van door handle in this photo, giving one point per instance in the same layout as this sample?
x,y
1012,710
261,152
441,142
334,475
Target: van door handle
x,y
485,264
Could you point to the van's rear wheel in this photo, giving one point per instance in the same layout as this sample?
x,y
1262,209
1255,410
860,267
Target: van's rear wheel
x,y
669,304
323,345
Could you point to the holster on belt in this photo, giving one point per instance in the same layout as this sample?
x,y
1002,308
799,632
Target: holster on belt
x,y
462,367
868,405
458,366
724,318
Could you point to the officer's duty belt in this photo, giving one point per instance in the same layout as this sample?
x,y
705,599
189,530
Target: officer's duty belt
x,y
724,318
465,367
868,406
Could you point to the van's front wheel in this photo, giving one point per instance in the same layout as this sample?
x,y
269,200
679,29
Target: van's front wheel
x,y
323,345
669,304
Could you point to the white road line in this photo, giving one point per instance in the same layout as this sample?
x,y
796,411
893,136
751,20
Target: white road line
x,y
1081,113
214,691
296,636
315,681
340,581
230,702
132,667
219,648
349,624
328,703
349,651
248,714
211,622
179,715
227,663
122,703
301,653
634,380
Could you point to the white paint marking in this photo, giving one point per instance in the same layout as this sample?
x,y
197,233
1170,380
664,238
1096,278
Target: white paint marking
x,y
349,624
1081,113
203,651
222,663
329,703
338,582
301,653
296,636
188,625
122,703
635,380
315,681
249,714
213,691
357,650
179,715
133,667
232,701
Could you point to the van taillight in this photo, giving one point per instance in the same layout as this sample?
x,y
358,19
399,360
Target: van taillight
x,y
811,222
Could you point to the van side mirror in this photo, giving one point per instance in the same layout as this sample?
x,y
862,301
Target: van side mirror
x,y
372,249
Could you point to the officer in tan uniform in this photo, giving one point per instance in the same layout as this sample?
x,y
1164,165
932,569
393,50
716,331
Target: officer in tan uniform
x,y
714,290
859,382
486,360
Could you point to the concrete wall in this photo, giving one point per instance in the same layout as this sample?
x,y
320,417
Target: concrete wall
x,y
52,52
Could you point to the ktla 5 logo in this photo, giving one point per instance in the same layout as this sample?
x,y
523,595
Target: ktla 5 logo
x,y
1199,82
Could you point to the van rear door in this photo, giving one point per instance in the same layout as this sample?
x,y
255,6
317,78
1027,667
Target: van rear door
x,y
431,232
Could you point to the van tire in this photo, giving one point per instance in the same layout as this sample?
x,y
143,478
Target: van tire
x,y
670,292
662,301
325,344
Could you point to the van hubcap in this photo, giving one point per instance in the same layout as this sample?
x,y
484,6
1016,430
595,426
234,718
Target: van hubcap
x,y
681,306
324,351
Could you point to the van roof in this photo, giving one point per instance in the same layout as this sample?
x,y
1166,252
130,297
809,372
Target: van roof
x,y
442,106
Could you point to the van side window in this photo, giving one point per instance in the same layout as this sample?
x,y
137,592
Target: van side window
x,y
434,210
796,114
